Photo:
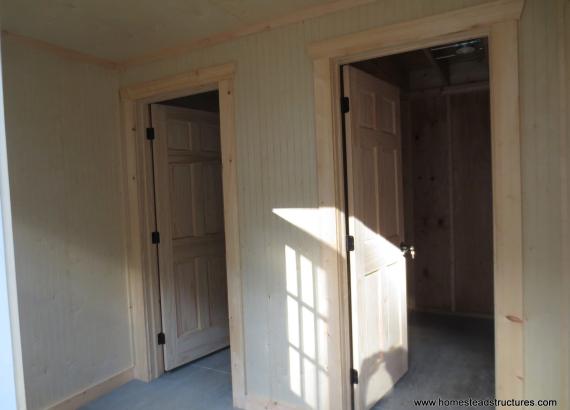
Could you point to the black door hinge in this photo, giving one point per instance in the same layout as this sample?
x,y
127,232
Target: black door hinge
x,y
155,238
344,105
161,338
349,243
353,376
150,133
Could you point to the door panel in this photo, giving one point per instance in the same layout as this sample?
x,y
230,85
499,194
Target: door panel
x,y
191,253
375,207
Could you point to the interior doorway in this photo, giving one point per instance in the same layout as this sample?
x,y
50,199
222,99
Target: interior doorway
x,y
189,226
198,156
419,218
181,150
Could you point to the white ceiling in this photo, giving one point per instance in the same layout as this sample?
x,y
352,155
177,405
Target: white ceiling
x,y
120,29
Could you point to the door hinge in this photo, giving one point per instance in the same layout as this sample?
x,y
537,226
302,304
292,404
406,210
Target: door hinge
x,y
150,133
161,338
353,376
349,243
344,105
155,238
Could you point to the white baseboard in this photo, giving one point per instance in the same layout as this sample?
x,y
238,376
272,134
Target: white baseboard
x,y
94,391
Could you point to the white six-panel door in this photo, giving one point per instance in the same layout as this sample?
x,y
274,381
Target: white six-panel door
x,y
375,207
191,253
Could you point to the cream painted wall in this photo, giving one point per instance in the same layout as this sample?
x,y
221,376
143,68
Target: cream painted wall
x,y
63,149
62,125
276,167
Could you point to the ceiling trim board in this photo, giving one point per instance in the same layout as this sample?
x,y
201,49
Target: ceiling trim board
x,y
267,25
181,49
61,51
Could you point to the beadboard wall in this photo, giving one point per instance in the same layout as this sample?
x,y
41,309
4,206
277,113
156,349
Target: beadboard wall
x,y
64,164
64,153
276,169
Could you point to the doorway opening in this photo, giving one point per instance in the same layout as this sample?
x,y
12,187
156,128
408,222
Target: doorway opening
x,y
182,155
189,219
419,218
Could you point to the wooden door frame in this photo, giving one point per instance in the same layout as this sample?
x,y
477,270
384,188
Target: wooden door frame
x,y
141,261
498,21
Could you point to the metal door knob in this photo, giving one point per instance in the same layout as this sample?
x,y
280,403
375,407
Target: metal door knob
x,y
408,249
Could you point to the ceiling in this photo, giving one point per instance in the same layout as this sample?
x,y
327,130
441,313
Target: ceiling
x,y
121,29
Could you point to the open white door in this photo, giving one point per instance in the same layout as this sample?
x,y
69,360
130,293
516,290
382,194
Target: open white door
x,y
375,207
190,220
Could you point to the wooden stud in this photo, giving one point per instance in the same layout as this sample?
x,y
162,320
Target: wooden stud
x,y
507,209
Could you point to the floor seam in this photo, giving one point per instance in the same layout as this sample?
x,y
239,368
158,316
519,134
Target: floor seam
x,y
210,368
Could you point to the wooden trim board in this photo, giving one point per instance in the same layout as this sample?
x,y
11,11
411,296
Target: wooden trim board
x,y
91,393
477,18
297,16
60,51
271,24
143,278
497,21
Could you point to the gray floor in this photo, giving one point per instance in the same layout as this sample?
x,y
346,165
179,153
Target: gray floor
x,y
450,358
201,385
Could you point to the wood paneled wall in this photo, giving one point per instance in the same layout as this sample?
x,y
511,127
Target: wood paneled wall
x,y
276,169
544,123
449,202
275,123
64,164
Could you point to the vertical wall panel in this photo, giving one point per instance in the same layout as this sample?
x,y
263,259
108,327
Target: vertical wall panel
x,y
62,124
469,114
260,124
69,270
277,171
540,76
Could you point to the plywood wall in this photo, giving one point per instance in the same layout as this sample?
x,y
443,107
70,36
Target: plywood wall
x,y
276,167
449,194
430,180
471,202
63,150
67,271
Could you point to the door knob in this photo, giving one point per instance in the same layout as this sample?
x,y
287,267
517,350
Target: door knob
x,y
408,249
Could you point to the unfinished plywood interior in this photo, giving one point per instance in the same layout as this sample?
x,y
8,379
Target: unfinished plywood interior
x,y
187,188
71,227
418,142
447,173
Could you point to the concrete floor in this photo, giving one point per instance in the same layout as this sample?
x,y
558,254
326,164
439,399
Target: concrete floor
x,y
201,385
449,358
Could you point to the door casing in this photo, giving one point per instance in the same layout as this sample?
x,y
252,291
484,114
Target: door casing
x,y
498,21
144,300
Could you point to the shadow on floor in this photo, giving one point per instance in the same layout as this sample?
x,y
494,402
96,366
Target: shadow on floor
x,y
450,358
